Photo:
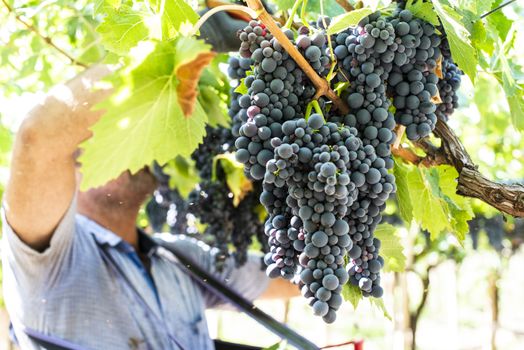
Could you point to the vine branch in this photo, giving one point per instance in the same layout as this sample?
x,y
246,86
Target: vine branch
x,y
508,198
345,5
45,38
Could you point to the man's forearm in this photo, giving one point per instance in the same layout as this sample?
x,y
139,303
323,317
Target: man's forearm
x,y
42,177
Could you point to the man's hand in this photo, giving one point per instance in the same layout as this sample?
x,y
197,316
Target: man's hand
x,y
42,178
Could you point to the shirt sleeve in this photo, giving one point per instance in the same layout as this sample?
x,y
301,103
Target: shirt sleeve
x,y
31,267
249,280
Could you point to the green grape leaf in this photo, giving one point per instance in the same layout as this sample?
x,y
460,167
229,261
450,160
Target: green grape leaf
x,y
100,5
401,170
477,7
428,208
423,10
144,121
214,106
459,39
6,141
459,207
177,16
352,294
347,20
514,93
183,175
391,248
379,304
241,88
236,179
480,38
261,212
500,21
124,27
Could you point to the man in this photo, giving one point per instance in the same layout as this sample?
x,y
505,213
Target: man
x,y
57,279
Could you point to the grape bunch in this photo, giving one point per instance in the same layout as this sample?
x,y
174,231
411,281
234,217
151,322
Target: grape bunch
x,y
325,178
448,87
166,206
413,82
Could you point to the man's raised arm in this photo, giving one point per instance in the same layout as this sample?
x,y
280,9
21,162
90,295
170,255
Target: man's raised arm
x,y
42,179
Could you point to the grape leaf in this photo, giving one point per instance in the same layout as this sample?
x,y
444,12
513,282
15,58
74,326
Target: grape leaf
x,y
423,10
144,121
379,303
477,7
400,170
236,179
176,16
124,27
347,20
352,294
193,57
500,21
241,88
183,174
391,248
480,38
514,93
99,5
428,209
214,106
459,207
459,39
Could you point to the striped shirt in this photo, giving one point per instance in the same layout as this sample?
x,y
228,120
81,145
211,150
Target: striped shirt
x,y
68,291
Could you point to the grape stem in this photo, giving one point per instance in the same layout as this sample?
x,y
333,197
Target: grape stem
x,y
321,85
294,10
404,153
345,5
45,38
400,129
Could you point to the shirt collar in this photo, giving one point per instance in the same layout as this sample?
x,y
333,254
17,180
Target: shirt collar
x,y
103,236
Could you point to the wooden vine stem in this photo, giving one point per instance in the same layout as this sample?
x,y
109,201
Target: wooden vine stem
x,y
321,85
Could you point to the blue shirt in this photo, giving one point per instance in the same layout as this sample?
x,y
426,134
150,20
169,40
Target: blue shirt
x,y
69,291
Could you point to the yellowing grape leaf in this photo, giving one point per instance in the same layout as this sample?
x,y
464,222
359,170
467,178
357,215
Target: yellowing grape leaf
x,y
188,74
144,121
236,179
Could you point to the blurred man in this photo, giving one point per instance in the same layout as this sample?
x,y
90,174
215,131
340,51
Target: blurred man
x,y
64,250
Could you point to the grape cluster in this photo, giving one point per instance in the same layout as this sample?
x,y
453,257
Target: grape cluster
x,y
413,82
447,88
237,70
166,206
307,191
276,94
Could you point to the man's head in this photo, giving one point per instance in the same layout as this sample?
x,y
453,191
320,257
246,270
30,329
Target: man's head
x,y
127,192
